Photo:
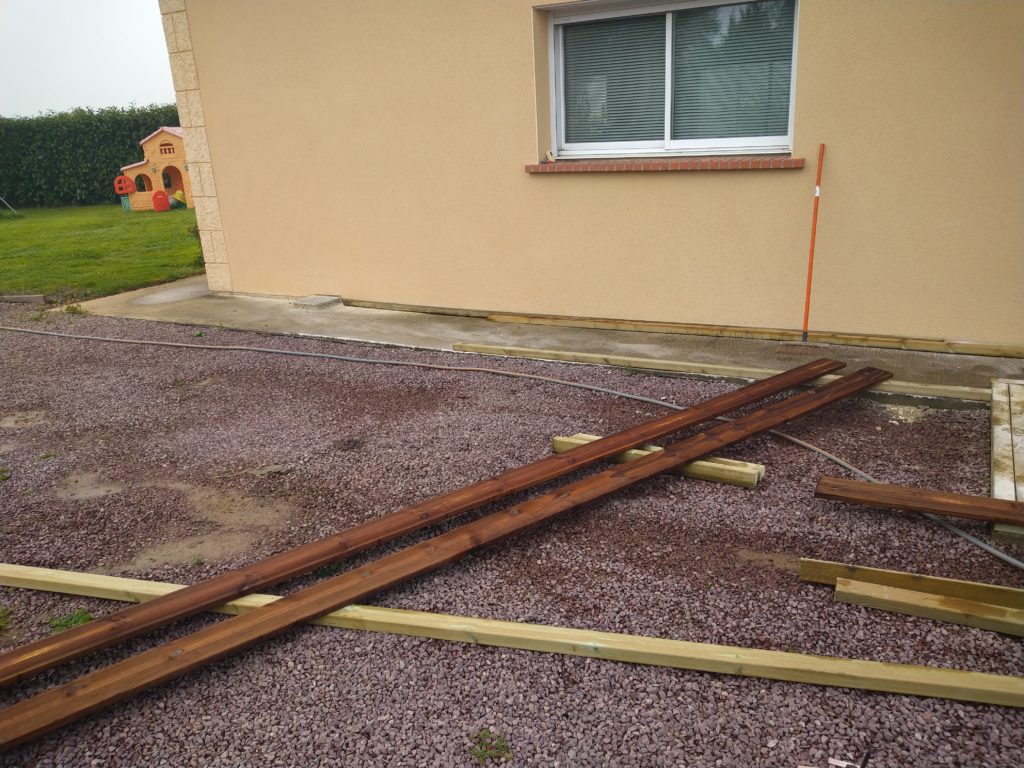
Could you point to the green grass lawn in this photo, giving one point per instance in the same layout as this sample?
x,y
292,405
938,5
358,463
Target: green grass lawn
x,y
78,253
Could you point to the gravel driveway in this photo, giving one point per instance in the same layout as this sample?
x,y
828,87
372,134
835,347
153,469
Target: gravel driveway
x,y
178,464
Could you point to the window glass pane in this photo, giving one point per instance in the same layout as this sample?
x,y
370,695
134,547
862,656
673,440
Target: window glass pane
x,y
732,69
614,73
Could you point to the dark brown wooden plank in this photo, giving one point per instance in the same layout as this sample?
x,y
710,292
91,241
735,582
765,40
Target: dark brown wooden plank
x,y
66,703
108,630
921,500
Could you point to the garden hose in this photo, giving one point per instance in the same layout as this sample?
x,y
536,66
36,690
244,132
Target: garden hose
x,y
1006,558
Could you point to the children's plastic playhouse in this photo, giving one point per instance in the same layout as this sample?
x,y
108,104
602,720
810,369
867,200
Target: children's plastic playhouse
x,y
160,180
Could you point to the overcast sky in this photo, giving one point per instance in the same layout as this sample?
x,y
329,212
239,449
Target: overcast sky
x,y
61,54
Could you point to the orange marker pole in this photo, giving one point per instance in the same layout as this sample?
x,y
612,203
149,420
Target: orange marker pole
x,y
814,232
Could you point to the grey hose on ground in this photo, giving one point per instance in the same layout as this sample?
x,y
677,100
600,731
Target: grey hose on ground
x,y
1006,558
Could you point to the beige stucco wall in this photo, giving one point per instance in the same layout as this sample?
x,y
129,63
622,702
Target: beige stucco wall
x,y
376,151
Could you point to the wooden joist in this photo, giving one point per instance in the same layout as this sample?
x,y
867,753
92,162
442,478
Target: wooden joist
x,y
827,572
709,369
780,334
65,703
742,473
775,665
954,610
920,500
1008,451
50,651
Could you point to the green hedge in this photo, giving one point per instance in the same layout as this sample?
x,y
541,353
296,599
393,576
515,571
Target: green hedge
x,y
71,158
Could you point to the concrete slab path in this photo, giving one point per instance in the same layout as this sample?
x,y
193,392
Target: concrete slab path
x,y
189,301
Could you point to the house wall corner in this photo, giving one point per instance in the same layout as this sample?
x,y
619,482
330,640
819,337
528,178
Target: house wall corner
x,y
192,119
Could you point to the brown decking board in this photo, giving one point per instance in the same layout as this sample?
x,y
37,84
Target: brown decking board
x,y
920,500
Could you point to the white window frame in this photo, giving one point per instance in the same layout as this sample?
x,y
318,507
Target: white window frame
x,y
594,10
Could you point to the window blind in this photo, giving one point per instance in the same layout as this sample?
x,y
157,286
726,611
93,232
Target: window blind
x,y
731,70
614,79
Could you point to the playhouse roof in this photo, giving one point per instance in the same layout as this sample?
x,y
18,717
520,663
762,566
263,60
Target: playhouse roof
x,y
172,129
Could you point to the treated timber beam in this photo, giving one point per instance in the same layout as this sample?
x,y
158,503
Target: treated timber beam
x,y
66,703
1003,464
709,369
1008,451
746,332
714,468
954,610
827,572
109,630
920,500
677,654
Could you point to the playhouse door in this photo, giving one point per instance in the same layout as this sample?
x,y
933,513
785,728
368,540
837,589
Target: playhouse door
x,y
172,180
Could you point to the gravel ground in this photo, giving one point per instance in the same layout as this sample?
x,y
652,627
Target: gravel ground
x,y
179,464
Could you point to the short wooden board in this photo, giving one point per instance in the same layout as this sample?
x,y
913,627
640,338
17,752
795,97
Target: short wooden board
x,y
953,610
826,572
716,469
926,500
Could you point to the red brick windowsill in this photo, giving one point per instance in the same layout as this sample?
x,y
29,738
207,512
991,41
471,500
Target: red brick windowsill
x,y
722,163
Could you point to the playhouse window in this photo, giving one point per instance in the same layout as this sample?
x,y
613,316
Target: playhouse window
x,y
143,184
697,77
166,148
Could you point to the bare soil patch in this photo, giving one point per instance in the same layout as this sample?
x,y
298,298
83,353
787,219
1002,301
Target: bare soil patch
x,y
778,560
908,414
82,486
22,419
240,519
